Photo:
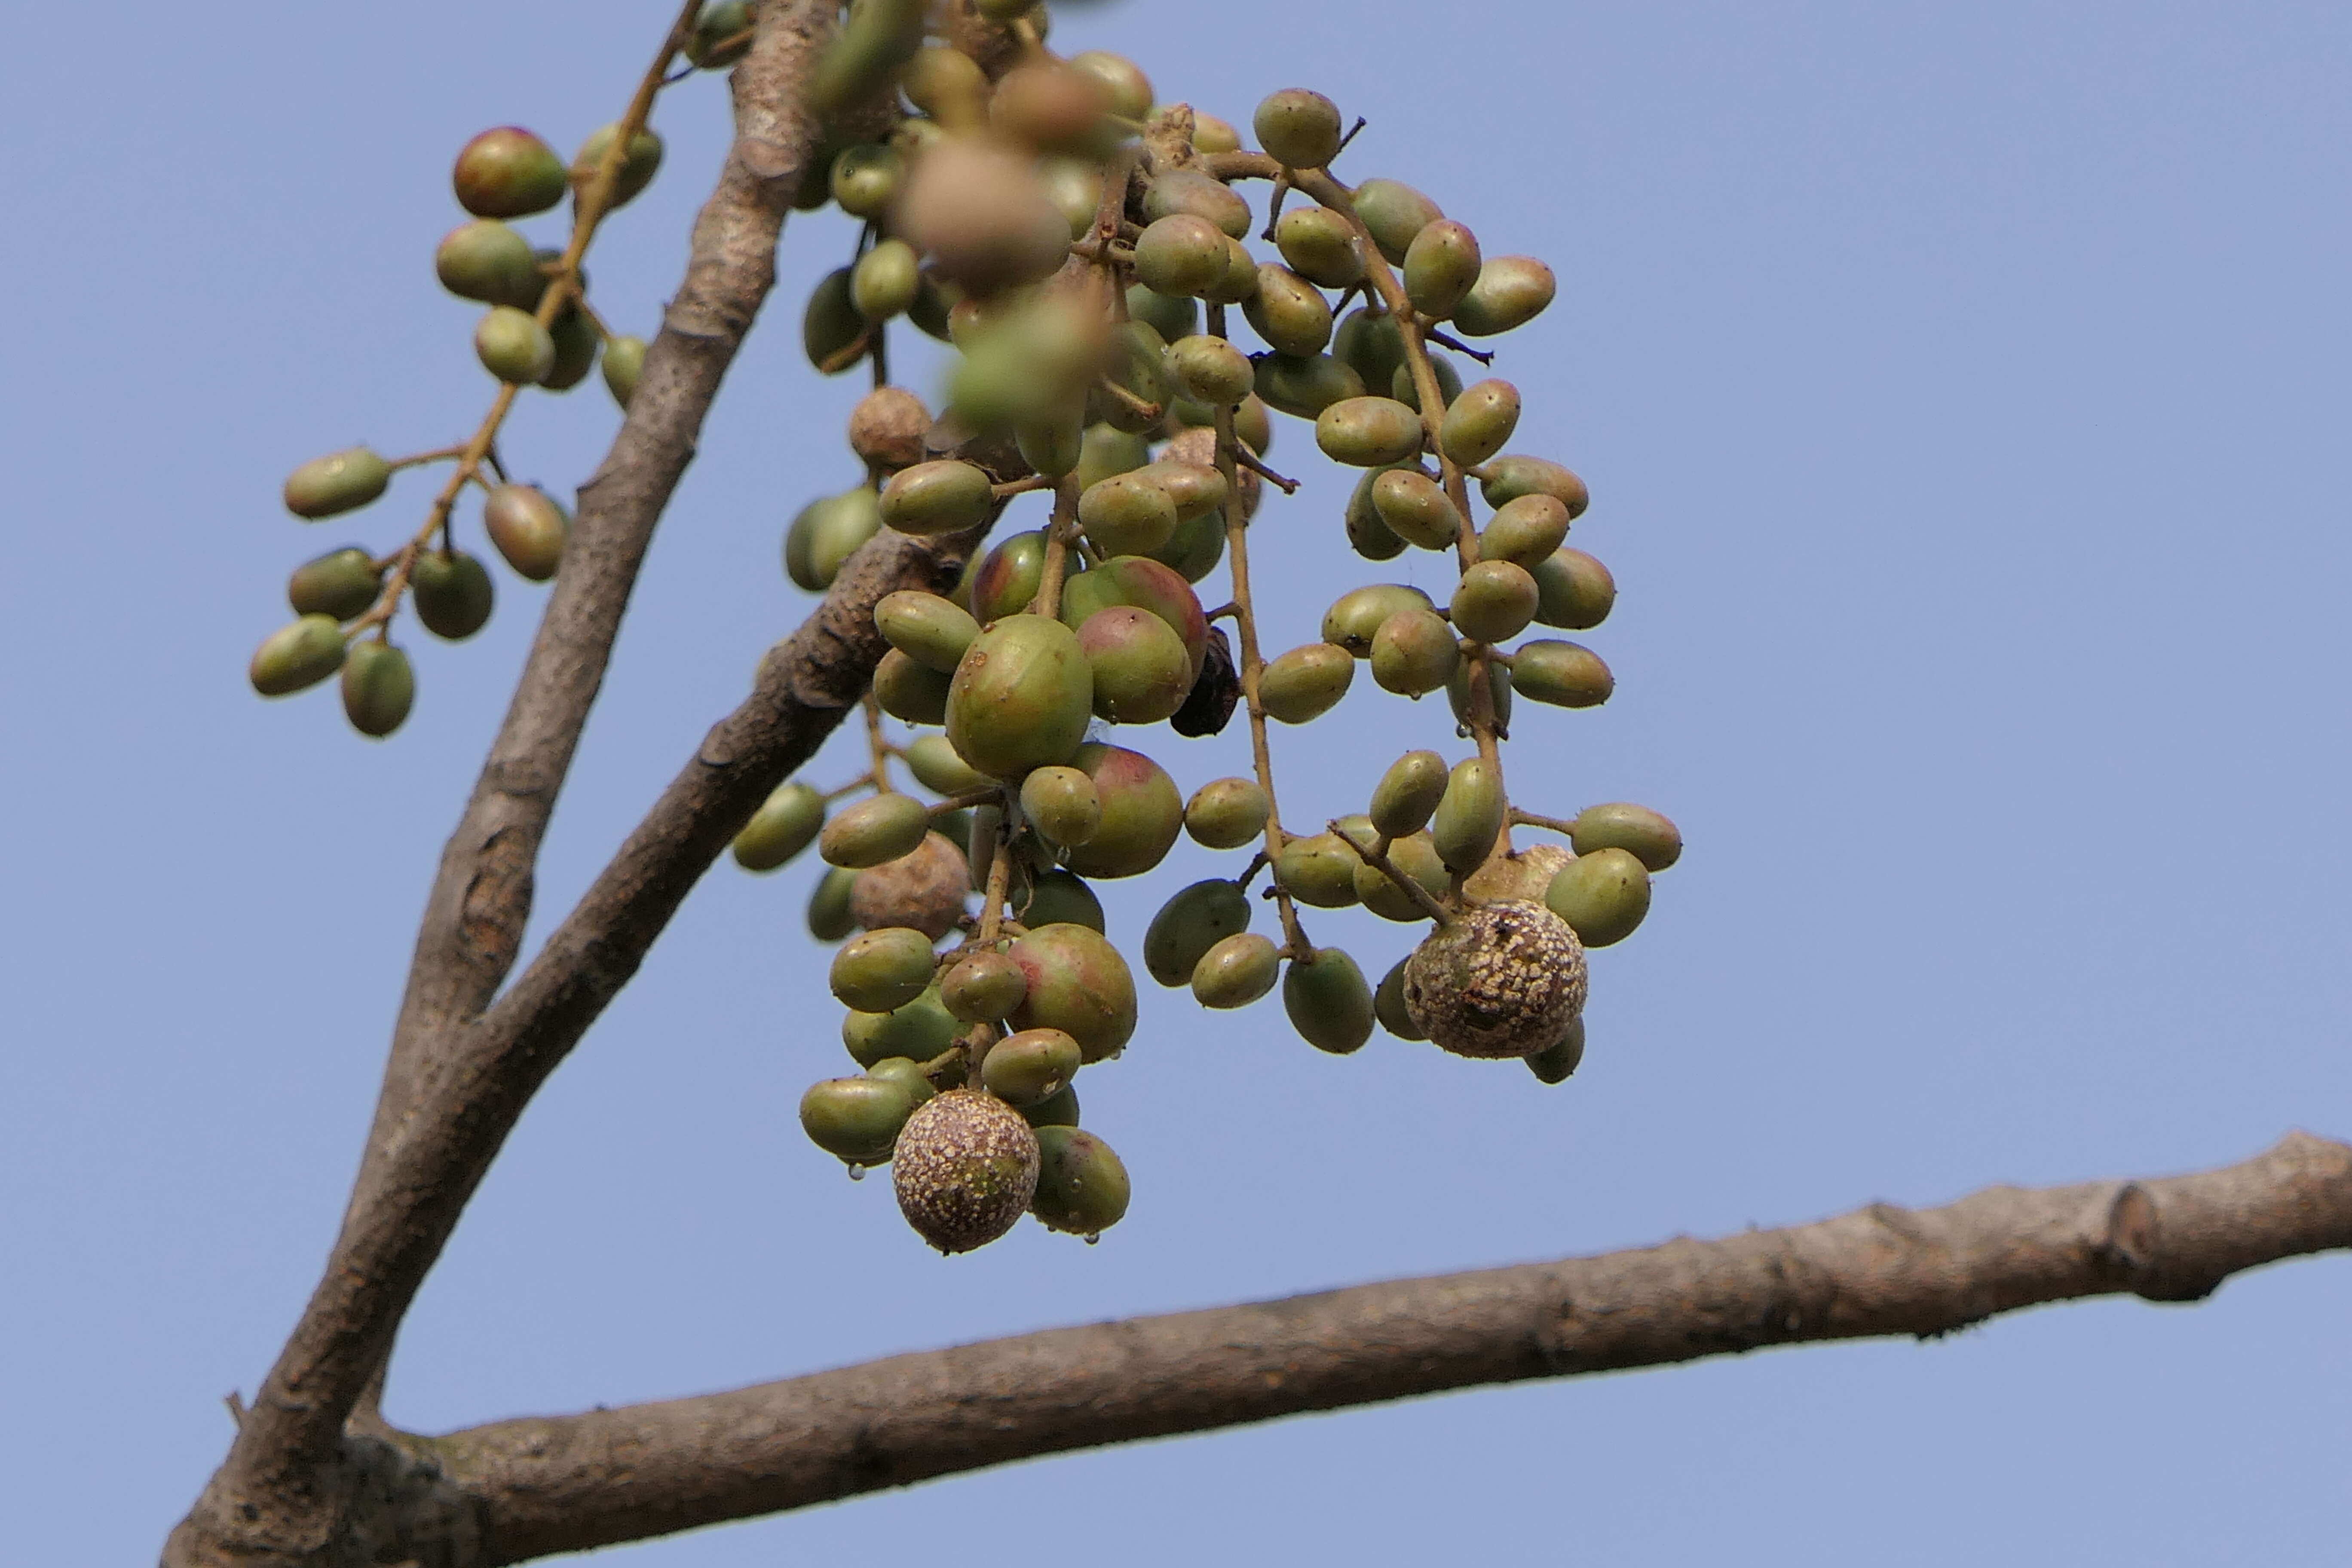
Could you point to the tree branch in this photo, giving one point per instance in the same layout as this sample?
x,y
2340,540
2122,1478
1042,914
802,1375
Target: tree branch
x,y
543,1486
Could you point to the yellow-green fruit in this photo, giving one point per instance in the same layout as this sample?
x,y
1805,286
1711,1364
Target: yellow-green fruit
x,y
1107,451
1141,671
1368,535
1191,191
1574,590
341,583
1182,254
1329,1003
624,363
1319,246
787,822
927,628
528,529
1440,264
1318,870
1415,508
908,1074
942,497
1188,924
1369,343
1556,1061
1393,213
984,987
1236,971
1193,550
1061,1110
338,482
1496,981
1565,674
1603,895
919,1030
1367,432
640,162
883,283
1008,579
1516,473
1288,312
948,85
1494,601
1526,530
1082,1187
1145,585
832,331
1511,291
827,533
378,688
1211,369
576,341
452,593
922,889
1414,855
1469,815
878,828
1354,616
508,172
1479,422
856,1118
1298,127
829,918
1171,316
1225,813
1650,837
1210,134
1499,692
721,35
1306,683
1127,514
1142,813
1197,490
1405,390
1304,388
1408,793
878,971
1061,803
1078,984
513,346
1021,697
490,262
1031,1067
910,690
1413,652
865,178
1057,898
1136,362
1124,87
966,1169
1387,1005
1054,443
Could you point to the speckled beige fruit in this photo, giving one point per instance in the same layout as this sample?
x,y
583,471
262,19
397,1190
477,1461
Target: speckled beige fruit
x,y
886,427
1503,980
1522,877
923,888
966,1169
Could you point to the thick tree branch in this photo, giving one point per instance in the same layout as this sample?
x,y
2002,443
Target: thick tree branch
x,y
545,1486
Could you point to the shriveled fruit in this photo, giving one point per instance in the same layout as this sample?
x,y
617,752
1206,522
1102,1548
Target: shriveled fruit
x,y
341,584
1077,984
1082,1187
1494,601
984,987
1514,475
966,1169
910,690
930,630
1511,291
1329,1003
301,654
885,428
1574,590
490,262
922,889
1062,803
878,828
513,346
1650,837
1414,855
528,529
1440,264
1320,870
1604,895
1236,971
787,822
1021,698
1354,616
1565,674
878,971
338,482
1387,1005
828,917
1408,793
1555,1062
1413,652
1142,813
1526,530
920,1029
1497,981
1368,431
1469,817
1225,813
1141,672
1306,683
1522,876
1416,509
856,1120
452,593
1030,1067
1479,422
1188,924
508,172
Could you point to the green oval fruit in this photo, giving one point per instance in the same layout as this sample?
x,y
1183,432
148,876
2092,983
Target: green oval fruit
x,y
942,497
1225,813
1393,213
883,283
513,346
927,628
1354,616
1413,652
1288,312
936,766
1320,246
1057,898
1367,432
1305,683
1061,803
906,1074
1369,344
1141,672
1126,88
1318,870
1054,443
1387,1005
1171,316
1514,475
1304,388
910,691
338,482
878,828
508,172
1145,585
829,918
1197,491
640,162
948,85
1329,1003
1405,390
1527,531
1021,697
1108,450
341,583
490,262
299,654
1574,590
1368,534
1499,692
1191,191
787,822
832,331
1061,1110
624,363
1440,264
856,1118
1650,837
1417,858
827,533
1188,924
1078,984
1236,971
1497,981
1494,601
1415,508
1010,577
921,1029
452,593
1238,283
1082,1187
1408,793
1182,254
1193,550
865,178
1127,514
1603,895
1469,818
1142,813
1479,422
721,35
878,971
1031,1067
1556,1061
528,529
1511,291
1297,128
1211,369
379,688
984,987
1137,363
576,341
966,1169
1565,674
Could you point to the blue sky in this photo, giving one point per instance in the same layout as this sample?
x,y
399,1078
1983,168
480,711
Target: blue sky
x,y
1963,395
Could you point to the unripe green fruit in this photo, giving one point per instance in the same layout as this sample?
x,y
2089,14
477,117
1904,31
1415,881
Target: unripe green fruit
x,y
1211,369
856,1120
906,1074
1413,652
1354,616
1171,316
1288,312
1387,1005
452,593
379,688
1126,88
341,583
301,654
1236,971
1193,550
513,346
984,987
1494,601
1329,1003
829,918
1298,127
1367,432
926,628
1367,536
1127,514
1031,1067
1054,443
1440,264
1478,423
1469,817
1138,363
1408,793
508,172
1182,254
1393,213
827,533
1082,1187
1225,813
1238,283
1145,585
1414,855
1526,530
1603,895
720,35
1304,388
787,822
1320,246
1574,590
1108,450
1189,191
1210,134
1078,984
910,691
883,283
1197,490
338,482
942,497
1142,813
1648,835
878,828
1415,508
1499,691
1061,803
1511,291
576,342
1305,683
486,260
1405,390
919,1030
1057,898
1558,1060
1369,344
831,328
1565,674
639,163
1021,698
878,971
1188,924
1061,1110
1141,671
1514,475
625,362
865,179
948,85
1318,870
528,529
1008,579
966,1169
1497,981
